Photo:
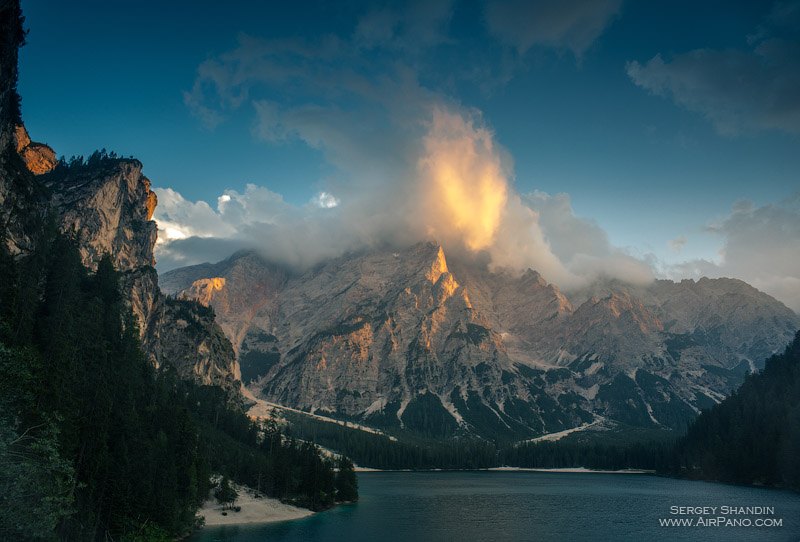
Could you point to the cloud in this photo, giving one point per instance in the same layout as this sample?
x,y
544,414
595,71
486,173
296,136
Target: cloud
x,y
411,163
457,190
179,218
677,244
581,245
560,24
254,219
737,90
324,200
463,181
760,246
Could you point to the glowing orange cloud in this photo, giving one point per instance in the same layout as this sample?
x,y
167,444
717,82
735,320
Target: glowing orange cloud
x,y
465,184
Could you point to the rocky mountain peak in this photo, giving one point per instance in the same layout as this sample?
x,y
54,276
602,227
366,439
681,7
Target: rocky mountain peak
x,y
438,266
532,278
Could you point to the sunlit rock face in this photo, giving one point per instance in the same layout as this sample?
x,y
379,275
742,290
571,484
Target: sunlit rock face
x,y
180,333
203,290
394,337
107,205
38,157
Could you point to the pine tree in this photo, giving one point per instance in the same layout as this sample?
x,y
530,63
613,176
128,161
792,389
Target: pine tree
x,y
346,481
225,494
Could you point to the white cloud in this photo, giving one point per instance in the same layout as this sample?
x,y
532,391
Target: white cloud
x,y
582,245
179,218
761,246
411,163
325,200
457,190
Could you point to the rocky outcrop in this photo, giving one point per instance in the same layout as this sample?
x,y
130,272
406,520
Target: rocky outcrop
x,y
180,333
398,339
38,157
105,203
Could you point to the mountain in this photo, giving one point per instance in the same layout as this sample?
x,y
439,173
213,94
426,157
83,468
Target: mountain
x,y
411,343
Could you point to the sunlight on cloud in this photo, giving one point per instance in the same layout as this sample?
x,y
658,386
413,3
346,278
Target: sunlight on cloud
x,y
464,183
325,200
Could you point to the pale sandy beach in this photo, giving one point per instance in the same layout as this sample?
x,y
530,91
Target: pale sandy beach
x,y
253,510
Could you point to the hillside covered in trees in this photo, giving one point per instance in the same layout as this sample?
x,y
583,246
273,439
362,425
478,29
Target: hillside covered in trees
x,y
95,442
753,436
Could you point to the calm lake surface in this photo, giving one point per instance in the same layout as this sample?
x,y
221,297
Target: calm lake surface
x,y
494,506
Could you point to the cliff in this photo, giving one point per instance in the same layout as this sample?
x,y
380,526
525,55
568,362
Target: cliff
x,y
20,195
107,205
38,157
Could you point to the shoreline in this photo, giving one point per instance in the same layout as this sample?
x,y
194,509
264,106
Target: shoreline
x,y
572,470
566,470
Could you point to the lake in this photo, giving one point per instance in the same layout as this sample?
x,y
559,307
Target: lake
x,y
464,506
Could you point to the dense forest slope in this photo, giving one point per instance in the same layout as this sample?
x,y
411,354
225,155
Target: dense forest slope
x,y
753,436
95,442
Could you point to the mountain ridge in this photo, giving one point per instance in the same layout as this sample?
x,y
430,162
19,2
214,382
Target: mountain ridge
x,y
367,336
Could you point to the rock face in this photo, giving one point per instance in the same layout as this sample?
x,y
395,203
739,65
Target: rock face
x,y
38,157
108,205
181,333
408,340
20,197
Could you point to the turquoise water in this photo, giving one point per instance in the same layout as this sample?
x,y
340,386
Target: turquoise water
x,y
495,506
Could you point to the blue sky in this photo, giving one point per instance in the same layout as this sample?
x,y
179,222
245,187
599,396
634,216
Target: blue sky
x,y
657,119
